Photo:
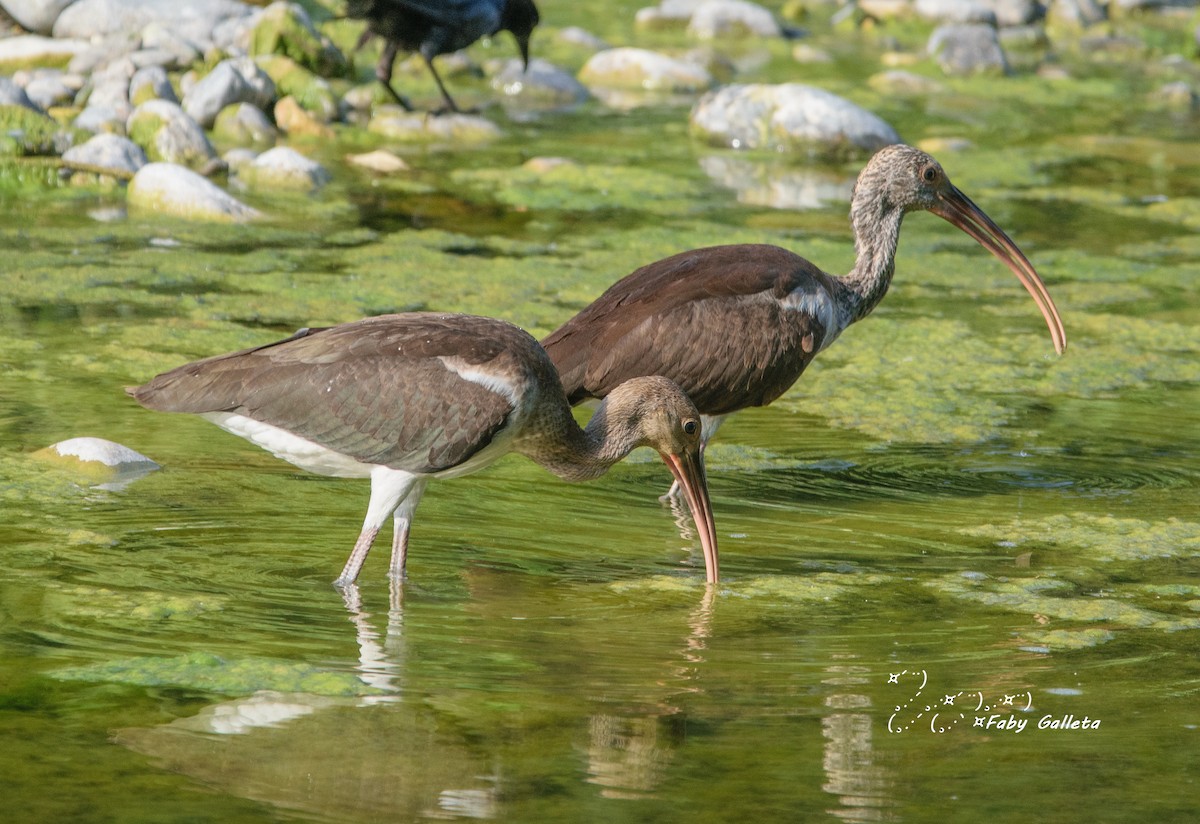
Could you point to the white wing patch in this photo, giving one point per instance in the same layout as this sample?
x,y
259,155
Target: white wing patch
x,y
290,447
821,306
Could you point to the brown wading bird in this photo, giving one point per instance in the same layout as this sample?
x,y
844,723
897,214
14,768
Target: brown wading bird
x,y
735,326
433,27
404,398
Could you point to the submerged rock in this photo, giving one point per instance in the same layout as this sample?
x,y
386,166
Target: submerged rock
x,y
644,70
790,116
968,49
169,189
542,84
414,127
101,463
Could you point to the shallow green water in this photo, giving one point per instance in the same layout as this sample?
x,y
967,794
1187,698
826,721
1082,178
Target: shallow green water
x,y
940,501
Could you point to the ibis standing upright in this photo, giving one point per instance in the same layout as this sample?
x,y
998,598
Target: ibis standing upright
x,y
735,326
401,399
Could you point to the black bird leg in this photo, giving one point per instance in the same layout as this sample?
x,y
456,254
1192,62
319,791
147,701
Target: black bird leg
x,y
450,104
383,73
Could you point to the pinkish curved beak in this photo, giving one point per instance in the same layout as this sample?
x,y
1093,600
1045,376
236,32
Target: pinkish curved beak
x,y
956,208
688,469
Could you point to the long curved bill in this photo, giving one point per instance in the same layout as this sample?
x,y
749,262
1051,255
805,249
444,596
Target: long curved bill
x,y
688,469
956,208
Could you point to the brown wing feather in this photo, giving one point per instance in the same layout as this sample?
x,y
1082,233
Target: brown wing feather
x,y
697,318
375,390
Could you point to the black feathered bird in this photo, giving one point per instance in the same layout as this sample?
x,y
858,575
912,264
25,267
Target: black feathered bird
x,y
433,27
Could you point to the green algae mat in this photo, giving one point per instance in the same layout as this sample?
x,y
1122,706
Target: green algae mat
x,y
961,575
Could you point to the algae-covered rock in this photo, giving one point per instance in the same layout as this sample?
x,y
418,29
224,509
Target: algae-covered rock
x,y
286,29
151,83
168,189
643,70
98,462
24,131
29,51
244,123
790,116
292,79
168,134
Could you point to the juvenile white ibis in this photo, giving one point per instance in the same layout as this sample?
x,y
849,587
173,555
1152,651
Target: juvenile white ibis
x,y
433,27
735,326
404,398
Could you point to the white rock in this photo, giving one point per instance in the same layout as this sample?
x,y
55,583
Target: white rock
x,y
284,168
169,189
732,18
238,80
13,95
48,87
193,20
36,15
151,83
32,49
109,453
109,151
790,116
644,70
379,160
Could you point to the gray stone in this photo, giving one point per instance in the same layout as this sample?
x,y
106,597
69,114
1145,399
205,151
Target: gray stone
x,y
109,151
968,49
902,83
955,11
166,132
414,127
732,18
193,20
47,87
643,70
284,168
13,95
1015,12
35,50
580,39
238,80
151,83
101,119
1080,13
36,15
160,37
541,85
169,189
245,123
790,116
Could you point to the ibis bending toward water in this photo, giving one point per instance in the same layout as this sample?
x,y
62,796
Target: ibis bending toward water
x,y
404,398
433,27
735,326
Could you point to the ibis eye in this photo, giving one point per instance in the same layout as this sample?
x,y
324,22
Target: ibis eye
x,y
690,427
930,174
